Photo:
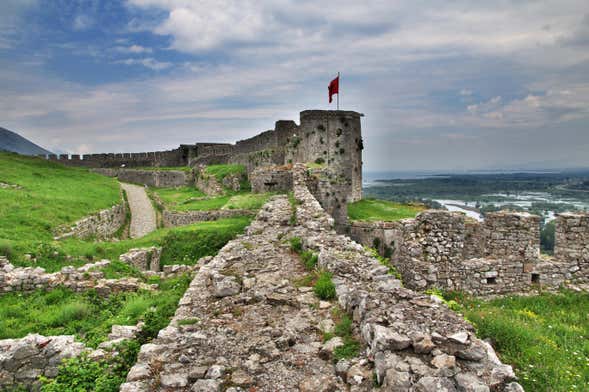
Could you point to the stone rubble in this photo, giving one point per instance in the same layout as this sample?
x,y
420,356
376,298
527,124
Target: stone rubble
x,y
144,259
28,279
23,360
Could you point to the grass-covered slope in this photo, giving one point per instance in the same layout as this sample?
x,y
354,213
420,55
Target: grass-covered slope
x,y
381,210
190,199
47,195
222,171
544,337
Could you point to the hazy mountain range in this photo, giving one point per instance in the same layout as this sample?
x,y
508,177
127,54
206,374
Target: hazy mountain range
x,y
13,142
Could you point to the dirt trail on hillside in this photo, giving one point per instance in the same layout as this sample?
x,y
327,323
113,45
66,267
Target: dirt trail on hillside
x,y
143,220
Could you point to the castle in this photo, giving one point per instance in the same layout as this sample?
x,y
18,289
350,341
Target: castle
x,y
331,139
436,249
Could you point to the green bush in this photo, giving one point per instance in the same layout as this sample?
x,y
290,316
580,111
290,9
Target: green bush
x,y
324,287
296,245
310,259
83,374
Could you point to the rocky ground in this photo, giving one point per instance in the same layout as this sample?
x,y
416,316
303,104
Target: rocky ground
x,y
244,322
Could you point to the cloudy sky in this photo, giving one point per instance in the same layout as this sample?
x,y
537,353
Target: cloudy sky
x,y
443,85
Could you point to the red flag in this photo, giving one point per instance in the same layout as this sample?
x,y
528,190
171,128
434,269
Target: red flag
x,y
333,87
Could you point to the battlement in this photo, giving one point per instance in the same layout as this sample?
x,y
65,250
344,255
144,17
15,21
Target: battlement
x,y
499,255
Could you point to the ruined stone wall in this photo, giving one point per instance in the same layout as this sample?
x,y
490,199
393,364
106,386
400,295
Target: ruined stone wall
x,y
101,225
271,179
499,255
572,242
89,276
178,218
512,235
23,360
153,178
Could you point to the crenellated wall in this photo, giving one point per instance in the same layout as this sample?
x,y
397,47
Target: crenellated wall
x,y
499,255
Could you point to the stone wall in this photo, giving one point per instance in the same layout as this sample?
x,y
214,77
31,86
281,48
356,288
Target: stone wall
x,y
101,225
177,157
271,179
572,237
89,276
511,235
152,178
499,255
182,218
207,184
22,361
144,259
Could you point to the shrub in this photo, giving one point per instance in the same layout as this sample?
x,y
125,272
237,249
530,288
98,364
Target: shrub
x,y
324,287
84,374
310,259
319,161
296,245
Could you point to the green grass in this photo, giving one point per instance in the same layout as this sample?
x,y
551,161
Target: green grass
x,y
544,337
51,195
310,259
381,210
324,287
86,315
182,245
222,171
190,199
296,245
343,329
173,196
247,201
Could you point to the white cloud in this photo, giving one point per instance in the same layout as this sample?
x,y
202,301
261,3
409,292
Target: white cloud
x,y
148,62
134,49
82,22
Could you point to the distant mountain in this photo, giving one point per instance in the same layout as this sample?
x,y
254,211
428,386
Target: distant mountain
x,y
13,142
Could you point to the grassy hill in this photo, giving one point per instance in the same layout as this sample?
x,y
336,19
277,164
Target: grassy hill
x,y
39,195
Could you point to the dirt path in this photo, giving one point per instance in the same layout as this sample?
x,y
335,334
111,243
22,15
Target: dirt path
x,y
143,219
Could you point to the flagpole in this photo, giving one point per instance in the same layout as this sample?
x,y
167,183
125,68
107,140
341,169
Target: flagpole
x,y
338,90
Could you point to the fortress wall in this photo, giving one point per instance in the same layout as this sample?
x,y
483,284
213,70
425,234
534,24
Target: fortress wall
x,y
512,235
177,157
271,179
572,243
499,255
153,178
